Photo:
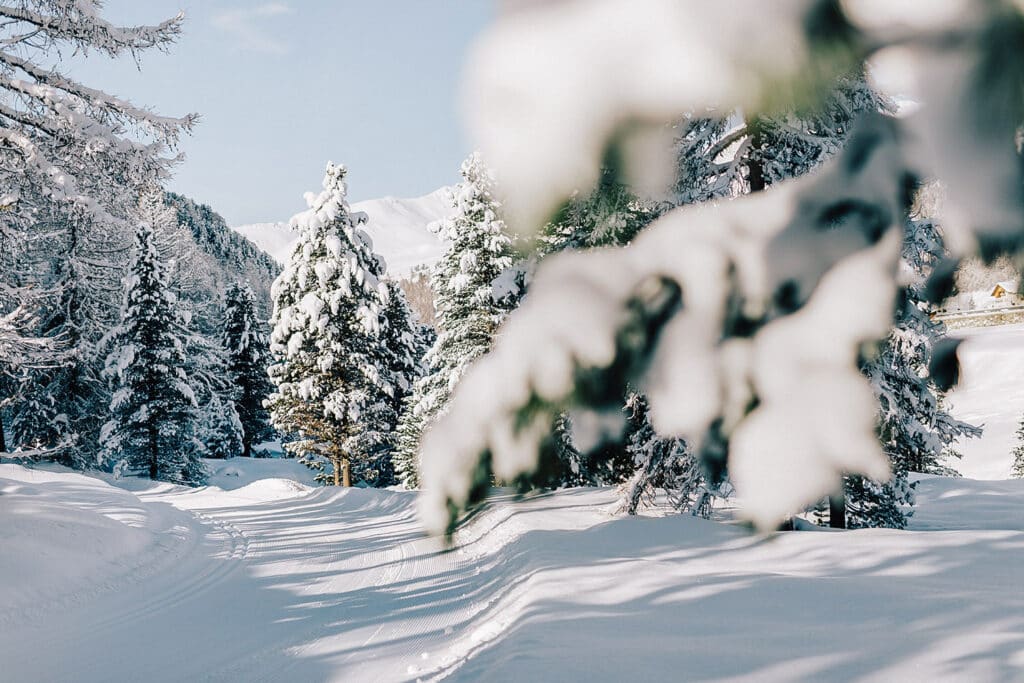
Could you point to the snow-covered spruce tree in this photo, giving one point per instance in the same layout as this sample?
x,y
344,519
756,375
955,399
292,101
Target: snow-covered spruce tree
x,y
334,398
1018,452
153,412
22,357
405,342
666,464
469,309
73,159
221,431
915,431
247,350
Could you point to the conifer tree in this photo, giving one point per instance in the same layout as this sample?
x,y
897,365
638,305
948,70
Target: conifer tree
x,y
153,411
74,160
1018,452
247,350
611,215
222,432
469,306
406,343
661,463
916,432
334,394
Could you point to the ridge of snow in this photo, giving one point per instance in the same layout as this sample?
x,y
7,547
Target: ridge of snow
x,y
400,229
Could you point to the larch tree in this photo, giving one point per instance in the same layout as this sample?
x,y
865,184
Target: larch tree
x,y
333,395
247,350
154,417
73,160
469,305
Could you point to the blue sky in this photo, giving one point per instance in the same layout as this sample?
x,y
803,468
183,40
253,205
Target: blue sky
x,y
283,87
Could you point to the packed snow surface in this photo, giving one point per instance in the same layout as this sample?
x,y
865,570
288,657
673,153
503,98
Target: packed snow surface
x,y
262,576
400,229
275,581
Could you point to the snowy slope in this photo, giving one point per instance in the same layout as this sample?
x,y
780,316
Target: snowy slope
x,y
340,585
264,577
399,228
991,394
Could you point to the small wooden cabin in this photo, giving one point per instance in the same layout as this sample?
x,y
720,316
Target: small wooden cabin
x,y
1006,290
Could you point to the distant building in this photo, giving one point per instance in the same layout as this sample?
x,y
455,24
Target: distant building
x,y
1007,291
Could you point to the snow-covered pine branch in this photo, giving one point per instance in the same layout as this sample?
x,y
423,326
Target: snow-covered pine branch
x,y
763,302
654,315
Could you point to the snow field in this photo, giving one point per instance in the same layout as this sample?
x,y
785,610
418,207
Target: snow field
x,y
261,576
323,584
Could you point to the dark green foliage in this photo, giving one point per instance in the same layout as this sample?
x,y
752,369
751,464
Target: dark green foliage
x,y
247,354
153,412
222,433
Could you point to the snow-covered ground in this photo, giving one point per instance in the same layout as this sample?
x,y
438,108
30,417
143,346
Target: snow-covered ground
x,y
990,394
263,577
399,228
277,581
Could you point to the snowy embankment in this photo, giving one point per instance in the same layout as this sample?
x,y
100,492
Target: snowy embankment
x,y
278,581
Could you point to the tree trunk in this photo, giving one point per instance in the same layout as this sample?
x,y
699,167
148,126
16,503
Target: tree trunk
x,y
246,448
3,437
337,471
346,472
837,510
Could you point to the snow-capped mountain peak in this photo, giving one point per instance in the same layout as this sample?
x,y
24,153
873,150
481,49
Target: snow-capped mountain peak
x,y
400,229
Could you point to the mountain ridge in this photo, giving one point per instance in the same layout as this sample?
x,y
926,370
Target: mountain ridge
x,y
399,228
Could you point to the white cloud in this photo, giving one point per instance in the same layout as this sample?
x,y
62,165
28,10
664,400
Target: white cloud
x,y
252,28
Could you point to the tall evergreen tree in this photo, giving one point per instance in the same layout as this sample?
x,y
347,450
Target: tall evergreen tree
x,y
222,433
406,343
247,350
469,306
916,432
334,392
73,160
153,411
